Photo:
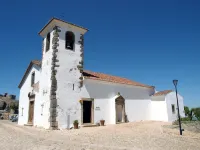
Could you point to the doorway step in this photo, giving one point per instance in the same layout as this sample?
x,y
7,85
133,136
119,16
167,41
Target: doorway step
x,y
89,125
28,124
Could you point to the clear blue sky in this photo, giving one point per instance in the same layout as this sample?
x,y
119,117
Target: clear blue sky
x,y
150,41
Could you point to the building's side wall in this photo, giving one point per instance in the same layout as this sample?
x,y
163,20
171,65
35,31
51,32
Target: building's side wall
x,y
68,79
171,99
45,84
159,109
42,97
24,99
137,100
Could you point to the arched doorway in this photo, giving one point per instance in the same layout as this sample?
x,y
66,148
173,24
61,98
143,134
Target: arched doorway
x,y
120,109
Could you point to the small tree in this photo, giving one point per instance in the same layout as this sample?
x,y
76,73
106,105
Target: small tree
x,y
14,106
189,112
186,110
197,113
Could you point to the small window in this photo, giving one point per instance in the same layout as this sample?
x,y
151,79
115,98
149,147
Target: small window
x,y
69,40
48,42
173,108
33,78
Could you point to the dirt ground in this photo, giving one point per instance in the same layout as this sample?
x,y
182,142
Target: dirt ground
x,y
137,136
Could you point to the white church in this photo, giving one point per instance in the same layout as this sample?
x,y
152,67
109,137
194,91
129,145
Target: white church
x,y
57,90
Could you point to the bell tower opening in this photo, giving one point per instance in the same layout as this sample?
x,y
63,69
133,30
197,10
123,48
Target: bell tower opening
x,y
48,42
69,40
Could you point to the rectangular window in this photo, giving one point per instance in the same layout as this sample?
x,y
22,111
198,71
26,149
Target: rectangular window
x,y
173,109
47,42
33,78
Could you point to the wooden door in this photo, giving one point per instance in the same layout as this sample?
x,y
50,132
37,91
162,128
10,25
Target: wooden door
x,y
31,112
119,109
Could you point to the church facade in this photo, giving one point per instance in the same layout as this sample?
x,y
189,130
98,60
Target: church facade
x,y
57,90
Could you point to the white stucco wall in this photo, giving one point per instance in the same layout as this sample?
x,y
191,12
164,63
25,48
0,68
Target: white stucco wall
x,y
171,99
42,98
68,76
24,99
159,108
137,100
139,105
45,85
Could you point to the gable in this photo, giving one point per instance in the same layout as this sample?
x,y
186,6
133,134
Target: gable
x,y
33,63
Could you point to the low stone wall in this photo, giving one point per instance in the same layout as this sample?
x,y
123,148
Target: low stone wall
x,y
5,116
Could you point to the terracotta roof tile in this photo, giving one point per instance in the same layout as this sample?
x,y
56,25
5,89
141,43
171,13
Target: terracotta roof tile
x,y
110,78
165,92
94,76
36,62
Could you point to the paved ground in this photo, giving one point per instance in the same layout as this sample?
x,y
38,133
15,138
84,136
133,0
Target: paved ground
x,y
140,135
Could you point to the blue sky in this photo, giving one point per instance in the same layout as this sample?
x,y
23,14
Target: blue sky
x,y
152,42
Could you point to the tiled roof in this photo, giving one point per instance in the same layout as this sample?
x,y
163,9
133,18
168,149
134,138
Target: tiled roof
x,y
110,78
36,62
165,92
94,76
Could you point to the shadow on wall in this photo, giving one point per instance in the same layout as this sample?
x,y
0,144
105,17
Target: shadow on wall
x,y
68,115
126,118
104,90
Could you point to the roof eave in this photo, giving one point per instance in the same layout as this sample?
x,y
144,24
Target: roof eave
x,y
162,94
26,72
56,19
159,95
149,87
23,78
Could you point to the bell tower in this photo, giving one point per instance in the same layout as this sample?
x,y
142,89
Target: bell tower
x,y
62,68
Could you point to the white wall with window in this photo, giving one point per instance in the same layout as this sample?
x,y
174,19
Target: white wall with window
x,y
171,102
173,108
24,91
164,107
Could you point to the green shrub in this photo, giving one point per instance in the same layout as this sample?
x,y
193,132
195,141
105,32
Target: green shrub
x,y
13,106
75,121
175,122
193,112
185,119
197,113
